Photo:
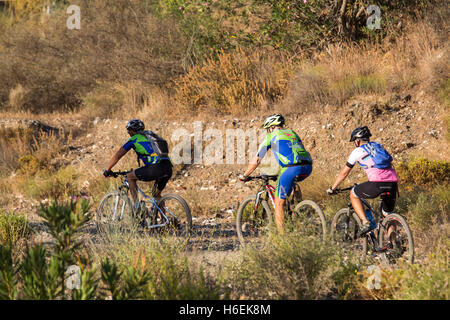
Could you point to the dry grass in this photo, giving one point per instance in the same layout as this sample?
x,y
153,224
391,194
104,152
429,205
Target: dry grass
x,y
344,71
13,144
235,83
122,53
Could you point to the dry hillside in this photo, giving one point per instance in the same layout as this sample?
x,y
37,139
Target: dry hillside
x,y
409,126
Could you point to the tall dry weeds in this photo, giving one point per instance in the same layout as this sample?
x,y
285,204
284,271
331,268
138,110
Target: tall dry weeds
x,y
119,42
235,83
419,59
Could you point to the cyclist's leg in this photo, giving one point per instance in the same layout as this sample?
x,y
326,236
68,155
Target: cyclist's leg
x,y
366,190
132,182
286,180
161,182
358,206
161,172
389,199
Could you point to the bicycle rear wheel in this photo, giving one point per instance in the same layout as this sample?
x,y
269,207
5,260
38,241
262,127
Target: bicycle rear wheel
x,y
308,219
396,236
115,214
178,212
252,224
344,231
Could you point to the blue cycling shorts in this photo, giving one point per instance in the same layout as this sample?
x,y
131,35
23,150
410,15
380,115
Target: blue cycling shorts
x,y
288,176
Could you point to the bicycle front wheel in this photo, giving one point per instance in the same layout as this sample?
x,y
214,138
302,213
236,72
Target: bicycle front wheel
x,y
252,223
308,219
344,231
178,212
397,238
115,214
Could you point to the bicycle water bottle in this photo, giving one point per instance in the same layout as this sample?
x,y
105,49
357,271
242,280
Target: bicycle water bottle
x,y
370,218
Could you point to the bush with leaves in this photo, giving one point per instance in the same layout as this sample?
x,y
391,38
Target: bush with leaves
x,y
423,172
13,228
293,266
44,270
41,273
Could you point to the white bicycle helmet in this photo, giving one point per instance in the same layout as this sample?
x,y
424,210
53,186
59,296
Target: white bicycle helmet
x,y
273,120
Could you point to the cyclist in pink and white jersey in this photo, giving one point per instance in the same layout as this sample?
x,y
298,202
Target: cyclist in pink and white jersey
x,y
383,180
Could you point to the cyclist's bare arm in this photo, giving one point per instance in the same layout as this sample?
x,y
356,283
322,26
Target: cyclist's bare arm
x,y
254,163
116,157
341,177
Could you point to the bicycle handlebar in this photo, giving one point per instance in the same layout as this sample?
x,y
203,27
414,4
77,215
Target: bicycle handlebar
x,y
344,189
264,177
118,173
340,190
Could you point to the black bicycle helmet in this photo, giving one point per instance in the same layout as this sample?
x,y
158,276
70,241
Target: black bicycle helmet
x,y
362,133
273,120
135,125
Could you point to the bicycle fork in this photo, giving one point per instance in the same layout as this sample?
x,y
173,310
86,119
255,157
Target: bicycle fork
x,y
153,211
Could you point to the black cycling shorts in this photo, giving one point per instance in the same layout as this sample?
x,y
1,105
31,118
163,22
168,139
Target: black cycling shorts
x,y
371,190
161,172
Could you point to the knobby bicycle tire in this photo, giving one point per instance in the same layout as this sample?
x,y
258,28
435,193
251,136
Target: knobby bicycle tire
x,y
398,250
182,225
115,213
249,227
308,221
344,230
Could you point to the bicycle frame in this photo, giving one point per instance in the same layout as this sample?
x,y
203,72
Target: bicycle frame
x,y
371,234
268,190
378,228
125,187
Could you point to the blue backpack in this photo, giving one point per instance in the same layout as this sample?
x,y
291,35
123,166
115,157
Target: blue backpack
x,y
381,158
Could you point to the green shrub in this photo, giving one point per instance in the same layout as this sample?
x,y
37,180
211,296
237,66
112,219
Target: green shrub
x,y
41,272
29,165
159,269
292,267
431,207
13,228
51,185
421,172
425,281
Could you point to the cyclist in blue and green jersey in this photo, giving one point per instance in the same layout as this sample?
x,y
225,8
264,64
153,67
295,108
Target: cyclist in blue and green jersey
x,y
291,155
155,167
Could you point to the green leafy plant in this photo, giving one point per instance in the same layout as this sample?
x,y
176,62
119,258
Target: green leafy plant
x,y
8,274
13,227
42,270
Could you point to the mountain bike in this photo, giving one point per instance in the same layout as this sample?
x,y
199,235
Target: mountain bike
x,y
254,215
116,214
391,239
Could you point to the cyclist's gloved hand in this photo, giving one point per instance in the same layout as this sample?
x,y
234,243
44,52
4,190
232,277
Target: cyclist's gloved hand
x,y
243,178
107,173
331,191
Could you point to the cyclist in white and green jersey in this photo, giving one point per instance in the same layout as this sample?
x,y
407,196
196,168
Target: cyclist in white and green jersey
x,y
294,160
